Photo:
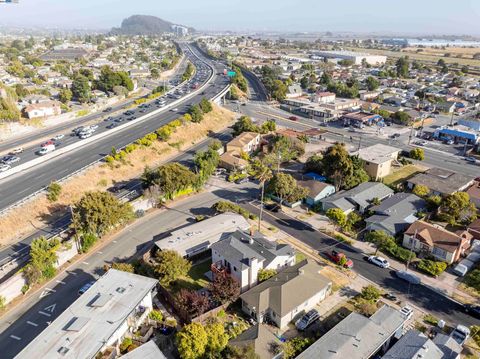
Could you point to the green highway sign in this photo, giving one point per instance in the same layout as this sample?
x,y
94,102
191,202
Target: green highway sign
x,y
231,73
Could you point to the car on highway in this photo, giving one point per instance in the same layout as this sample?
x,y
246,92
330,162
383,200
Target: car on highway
x,y
339,258
86,287
16,151
48,143
308,319
58,137
4,168
93,128
379,261
408,277
293,118
120,119
174,109
86,134
9,160
112,125
472,309
46,149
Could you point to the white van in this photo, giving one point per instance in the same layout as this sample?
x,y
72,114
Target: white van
x,y
46,149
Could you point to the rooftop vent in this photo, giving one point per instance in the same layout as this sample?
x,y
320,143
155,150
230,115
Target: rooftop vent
x,y
120,290
63,350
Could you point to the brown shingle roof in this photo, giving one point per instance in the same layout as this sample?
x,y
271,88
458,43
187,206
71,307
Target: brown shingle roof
x,y
434,236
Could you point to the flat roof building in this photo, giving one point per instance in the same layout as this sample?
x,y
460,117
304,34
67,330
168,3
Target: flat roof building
x,y
118,302
149,350
356,57
198,237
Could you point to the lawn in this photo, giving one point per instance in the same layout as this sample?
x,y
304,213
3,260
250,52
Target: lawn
x,y
195,279
299,256
401,175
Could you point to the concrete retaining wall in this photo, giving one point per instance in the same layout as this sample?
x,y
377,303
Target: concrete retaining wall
x,y
12,287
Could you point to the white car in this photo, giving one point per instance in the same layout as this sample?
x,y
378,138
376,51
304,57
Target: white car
x,y
4,168
379,261
84,135
174,109
16,151
93,127
58,137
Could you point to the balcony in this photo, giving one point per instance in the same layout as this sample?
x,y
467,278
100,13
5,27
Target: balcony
x,y
218,267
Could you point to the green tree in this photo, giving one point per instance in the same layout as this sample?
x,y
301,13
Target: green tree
x,y
291,348
457,207
285,187
401,118
98,212
381,240
21,91
217,338
370,293
170,179
53,191
359,174
352,219
244,124
65,95
421,190
205,105
206,163
43,258
417,154
239,352
337,216
196,112
81,89
264,274
268,126
170,266
314,164
124,267
154,73
192,341
284,149
263,174
402,66
372,83
337,165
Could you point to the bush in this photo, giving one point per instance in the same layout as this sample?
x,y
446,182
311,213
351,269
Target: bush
x,y
109,159
370,293
3,302
430,319
417,154
53,191
472,279
25,288
264,274
432,267
125,344
366,308
225,206
156,315
400,253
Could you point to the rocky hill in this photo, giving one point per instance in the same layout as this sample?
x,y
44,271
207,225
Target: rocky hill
x,y
144,25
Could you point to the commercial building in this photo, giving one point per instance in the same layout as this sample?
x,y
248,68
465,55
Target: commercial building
x,y
116,304
356,57
198,237
361,119
459,134
358,337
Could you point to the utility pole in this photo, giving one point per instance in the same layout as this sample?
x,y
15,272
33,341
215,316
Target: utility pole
x,y
261,207
359,143
412,245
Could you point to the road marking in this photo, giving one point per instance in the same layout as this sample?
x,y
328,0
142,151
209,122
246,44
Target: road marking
x,y
32,323
15,337
43,313
59,281
46,292
50,308
114,241
99,252
86,263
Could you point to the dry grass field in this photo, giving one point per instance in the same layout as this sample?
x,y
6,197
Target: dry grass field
x,y
36,213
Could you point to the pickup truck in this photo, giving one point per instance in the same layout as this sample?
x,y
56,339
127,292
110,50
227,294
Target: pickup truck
x,y
336,257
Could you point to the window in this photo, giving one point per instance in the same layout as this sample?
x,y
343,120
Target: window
x,y
439,252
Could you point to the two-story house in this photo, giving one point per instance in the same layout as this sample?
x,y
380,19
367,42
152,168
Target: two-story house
x,y
446,246
243,255
245,142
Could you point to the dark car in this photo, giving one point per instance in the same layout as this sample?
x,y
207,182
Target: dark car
x,y
86,287
108,109
120,119
472,309
241,180
293,118
273,207
112,125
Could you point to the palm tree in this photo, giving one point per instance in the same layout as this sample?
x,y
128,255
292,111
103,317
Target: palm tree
x,y
263,174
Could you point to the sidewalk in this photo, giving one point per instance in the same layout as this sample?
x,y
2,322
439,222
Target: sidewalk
x,y
445,284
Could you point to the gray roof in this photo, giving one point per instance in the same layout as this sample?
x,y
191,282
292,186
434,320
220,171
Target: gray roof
x,y
397,212
414,345
450,348
84,327
361,195
198,237
356,336
378,153
442,181
240,246
149,350
288,289
264,342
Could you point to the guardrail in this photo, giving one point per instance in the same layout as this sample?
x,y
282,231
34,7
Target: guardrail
x,y
79,144
20,257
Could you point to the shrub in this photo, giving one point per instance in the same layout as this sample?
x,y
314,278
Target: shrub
x,y
25,288
430,319
366,308
53,191
87,241
472,279
109,159
225,206
156,315
432,267
125,344
264,274
3,302
417,154
400,253
130,148
103,182
370,293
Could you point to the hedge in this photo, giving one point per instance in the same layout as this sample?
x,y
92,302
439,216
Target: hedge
x,y
432,267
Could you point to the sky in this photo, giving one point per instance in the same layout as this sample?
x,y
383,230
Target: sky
x,y
365,16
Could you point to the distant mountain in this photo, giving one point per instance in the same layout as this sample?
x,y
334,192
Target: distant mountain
x,y
145,25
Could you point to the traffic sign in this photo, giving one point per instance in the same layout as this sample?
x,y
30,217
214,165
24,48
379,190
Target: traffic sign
x,y
231,73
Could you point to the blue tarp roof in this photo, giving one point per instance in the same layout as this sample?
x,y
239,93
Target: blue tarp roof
x,y
457,133
315,176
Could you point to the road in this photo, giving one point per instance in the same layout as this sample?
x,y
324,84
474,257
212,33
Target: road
x,y
50,132
20,185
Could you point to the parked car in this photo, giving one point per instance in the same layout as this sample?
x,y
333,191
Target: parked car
x,y
460,334
241,180
273,207
336,257
470,159
4,168
85,287
310,317
379,261
390,296
174,109
472,309
449,142
293,118
108,109
409,277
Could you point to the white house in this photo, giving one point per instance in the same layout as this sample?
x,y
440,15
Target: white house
x,y
288,295
243,256
117,303
43,109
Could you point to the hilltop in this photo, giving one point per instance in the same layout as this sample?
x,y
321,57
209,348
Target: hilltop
x,y
144,25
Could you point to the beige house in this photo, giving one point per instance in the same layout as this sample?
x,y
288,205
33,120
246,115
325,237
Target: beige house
x,y
245,142
436,241
43,109
378,160
288,295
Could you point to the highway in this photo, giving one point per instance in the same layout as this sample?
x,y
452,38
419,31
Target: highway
x,y
20,185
